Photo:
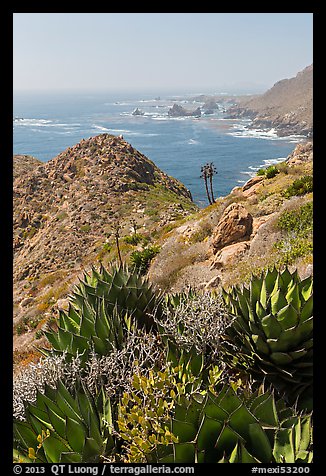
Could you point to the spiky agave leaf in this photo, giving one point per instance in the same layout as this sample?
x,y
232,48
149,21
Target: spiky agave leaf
x,y
228,428
62,427
272,331
122,287
103,308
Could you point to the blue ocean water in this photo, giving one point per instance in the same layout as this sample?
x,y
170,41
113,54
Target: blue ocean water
x,y
46,124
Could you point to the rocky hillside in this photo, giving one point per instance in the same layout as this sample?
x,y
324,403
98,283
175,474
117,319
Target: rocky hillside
x,y
66,215
67,211
287,106
265,222
23,164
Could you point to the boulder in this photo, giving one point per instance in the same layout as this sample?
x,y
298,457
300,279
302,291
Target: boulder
x,y
137,112
259,221
235,225
229,254
213,283
252,181
26,301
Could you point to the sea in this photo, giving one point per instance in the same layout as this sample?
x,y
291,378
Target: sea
x,y
45,124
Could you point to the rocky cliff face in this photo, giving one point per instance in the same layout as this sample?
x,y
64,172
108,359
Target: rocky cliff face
x,y
64,211
287,106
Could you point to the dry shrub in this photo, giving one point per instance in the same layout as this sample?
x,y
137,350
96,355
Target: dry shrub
x,y
245,268
114,371
26,357
165,269
197,322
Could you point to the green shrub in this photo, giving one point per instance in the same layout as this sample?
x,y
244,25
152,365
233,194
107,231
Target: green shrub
x,y
20,329
300,186
297,221
107,247
142,259
298,226
261,172
271,171
85,228
29,232
134,239
292,249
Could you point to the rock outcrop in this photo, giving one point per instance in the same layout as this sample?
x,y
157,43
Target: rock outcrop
x,y
179,111
302,153
235,225
138,112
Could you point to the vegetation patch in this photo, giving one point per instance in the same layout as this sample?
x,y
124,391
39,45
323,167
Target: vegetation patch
x,y
134,239
131,381
297,227
85,228
142,259
269,172
300,186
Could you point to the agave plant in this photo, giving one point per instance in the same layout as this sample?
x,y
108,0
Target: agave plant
x,y
229,429
272,331
104,306
64,428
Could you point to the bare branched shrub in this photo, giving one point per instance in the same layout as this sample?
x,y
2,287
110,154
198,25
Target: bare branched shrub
x,y
114,371
34,377
197,322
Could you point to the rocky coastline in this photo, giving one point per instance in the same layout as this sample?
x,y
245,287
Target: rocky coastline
x,y
287,107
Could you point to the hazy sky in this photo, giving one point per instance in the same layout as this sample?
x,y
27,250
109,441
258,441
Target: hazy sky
x,y
186,51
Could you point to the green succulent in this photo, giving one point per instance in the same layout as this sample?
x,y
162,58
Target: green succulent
x,y
145,410
227,428
272,331
174,300
103,308
61,427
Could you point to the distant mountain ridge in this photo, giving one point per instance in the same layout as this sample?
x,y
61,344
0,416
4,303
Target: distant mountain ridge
x,y
287,106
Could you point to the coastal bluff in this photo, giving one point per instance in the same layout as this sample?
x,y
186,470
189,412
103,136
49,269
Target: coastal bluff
x,y
287,106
